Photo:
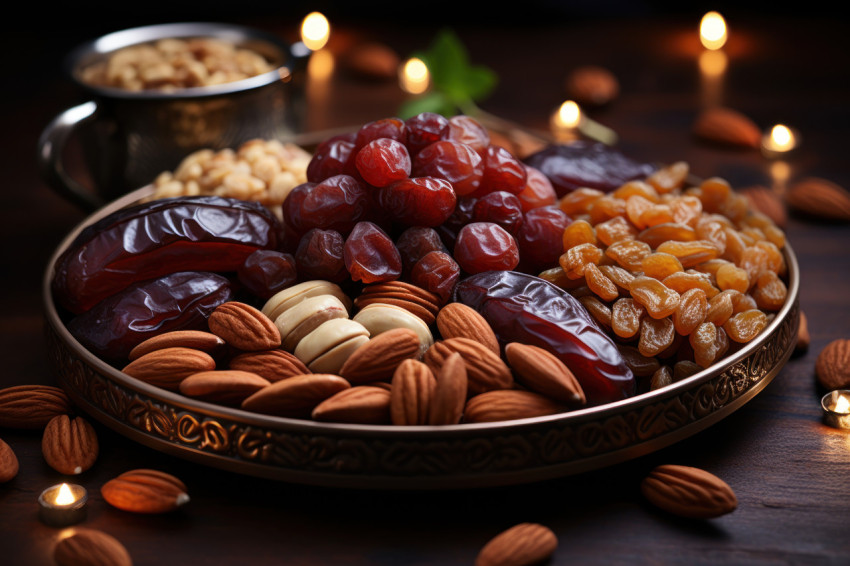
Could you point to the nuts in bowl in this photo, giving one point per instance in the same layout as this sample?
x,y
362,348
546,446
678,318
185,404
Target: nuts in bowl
x,y
410,303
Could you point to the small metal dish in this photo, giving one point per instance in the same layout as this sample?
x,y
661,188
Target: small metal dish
x,y
414,457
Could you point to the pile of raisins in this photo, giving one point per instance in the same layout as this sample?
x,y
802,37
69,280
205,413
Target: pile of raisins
x,y
428,200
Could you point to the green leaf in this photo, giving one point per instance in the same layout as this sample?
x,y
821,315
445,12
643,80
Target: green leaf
x,y
455,83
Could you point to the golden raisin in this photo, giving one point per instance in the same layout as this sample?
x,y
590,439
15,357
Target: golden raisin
x,y
597,309
656,335
662,377
574,260
685,368
615,229
714,192
620,276
579,232
686,209
659,300
669,178
660,265
720,307
605,208
729,276
684,280
628,253
636,188
599,283
691,312
578,201
656,214
641,366
626,315
660,233
636,205
770,292
690,253
703,341
745,325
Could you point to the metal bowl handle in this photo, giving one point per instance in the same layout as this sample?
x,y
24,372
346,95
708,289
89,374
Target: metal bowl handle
x,y
51,147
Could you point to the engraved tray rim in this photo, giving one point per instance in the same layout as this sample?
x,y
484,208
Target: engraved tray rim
x,y
412,457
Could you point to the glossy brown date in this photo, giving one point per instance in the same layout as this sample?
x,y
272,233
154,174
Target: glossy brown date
x,y
152,239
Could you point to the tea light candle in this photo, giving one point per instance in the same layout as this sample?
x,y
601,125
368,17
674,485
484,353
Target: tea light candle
x,y
779,141
62,505
315,31
712,31
569,121
414,77
836,408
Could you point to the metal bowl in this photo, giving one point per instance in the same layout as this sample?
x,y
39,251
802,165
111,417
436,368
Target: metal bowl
x,y
414,457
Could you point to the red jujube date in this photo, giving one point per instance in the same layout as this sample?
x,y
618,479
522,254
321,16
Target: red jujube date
x,y
527,309
153,239
178,301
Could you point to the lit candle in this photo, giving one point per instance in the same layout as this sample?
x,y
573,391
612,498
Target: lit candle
x,y
712,31
779,141
836,408
62,505
569,121
414,77
315,31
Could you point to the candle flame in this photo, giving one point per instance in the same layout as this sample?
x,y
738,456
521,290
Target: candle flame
x,y
781,137
712,31
414,77
65,495
569,115
315,31
842,405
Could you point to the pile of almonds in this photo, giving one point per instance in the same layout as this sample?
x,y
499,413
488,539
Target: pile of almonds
x,y
303,356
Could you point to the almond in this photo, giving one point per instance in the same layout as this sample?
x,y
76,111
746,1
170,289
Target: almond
x,y
688,492
727,127
244,327
832,367
87,547
412,389
145,491
522,544
272,365
485,371
418,301
377,359
362,404
457,320
372,60
227,387
167,367
803,337
69,445
450,392
195,339
509,404
295,397
592,85
541,371
32,406
767,202
820,198
8,462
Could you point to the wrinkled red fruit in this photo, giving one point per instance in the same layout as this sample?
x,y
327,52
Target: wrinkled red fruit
x,y
502,208
415,242
383,161
390,128
461,216
370,255
540,238
425,129
320,256
538,190
484,246
436,272
337,203
330,158
469,131
265,272
502,172
419,201
455,162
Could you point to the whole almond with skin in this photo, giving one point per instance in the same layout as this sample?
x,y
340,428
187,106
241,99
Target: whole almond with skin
x,y
89,547
244,327
69,445
820,198
449,395
195,339
832,367
372,60
592,85
767,202
521,545
688,492
509,404
145,491
32,406
377,359
727,127
167,367
362,404
295,397
272,365
541,371
412,390
457,320
227,387
485,371
8,462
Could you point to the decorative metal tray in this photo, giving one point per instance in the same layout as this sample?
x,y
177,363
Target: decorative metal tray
x,y
415,457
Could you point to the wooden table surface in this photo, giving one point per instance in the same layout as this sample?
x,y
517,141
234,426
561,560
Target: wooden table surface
x,y
790,472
